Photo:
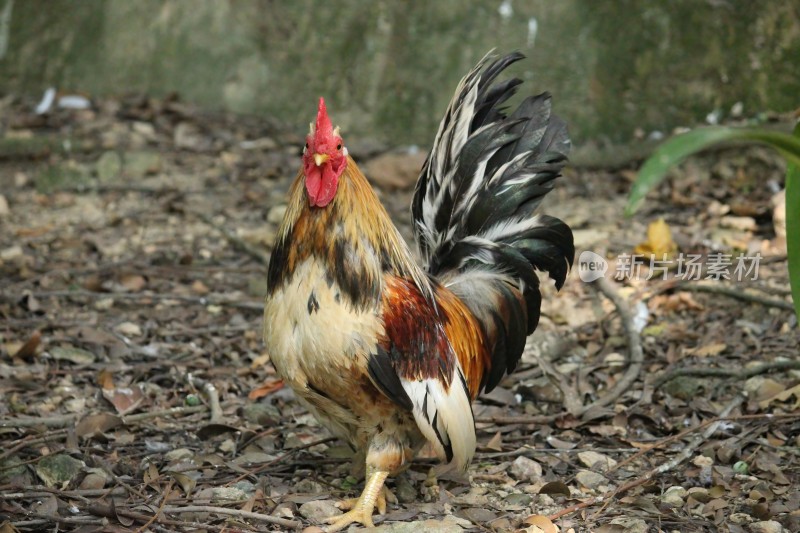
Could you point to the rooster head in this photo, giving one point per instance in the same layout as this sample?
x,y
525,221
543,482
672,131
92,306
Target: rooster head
x,y
324,159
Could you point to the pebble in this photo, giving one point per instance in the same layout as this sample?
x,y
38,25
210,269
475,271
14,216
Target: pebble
x,y
436,526
4,210
319,510
674,496
596,461
589,479
767,526
523,469
632,525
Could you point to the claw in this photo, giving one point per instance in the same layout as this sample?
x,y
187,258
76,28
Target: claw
x,y
359,514
375,494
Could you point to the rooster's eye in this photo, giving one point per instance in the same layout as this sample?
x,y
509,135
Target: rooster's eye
x,y
339,146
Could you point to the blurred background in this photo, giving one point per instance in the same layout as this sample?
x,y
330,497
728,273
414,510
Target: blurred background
x,y
618,69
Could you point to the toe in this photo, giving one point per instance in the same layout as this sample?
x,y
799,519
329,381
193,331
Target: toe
x,y
349,503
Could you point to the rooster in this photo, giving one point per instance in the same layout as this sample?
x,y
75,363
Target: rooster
x,y
387,353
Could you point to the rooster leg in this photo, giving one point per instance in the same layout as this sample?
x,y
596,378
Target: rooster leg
x,y
386,496
361,511
430,488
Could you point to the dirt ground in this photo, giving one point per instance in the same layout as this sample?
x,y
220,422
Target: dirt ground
x,y
135,394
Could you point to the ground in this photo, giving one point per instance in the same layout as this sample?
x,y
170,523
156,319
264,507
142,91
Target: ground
x,y
136,394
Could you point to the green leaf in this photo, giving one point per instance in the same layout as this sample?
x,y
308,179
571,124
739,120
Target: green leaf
x,y
793,225
675,150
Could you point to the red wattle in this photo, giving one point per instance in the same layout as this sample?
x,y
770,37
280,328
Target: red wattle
x,y
313,184
321,183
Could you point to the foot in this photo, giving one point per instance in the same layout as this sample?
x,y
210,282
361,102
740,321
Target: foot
x,y
430,487
385,496
358,514
361,508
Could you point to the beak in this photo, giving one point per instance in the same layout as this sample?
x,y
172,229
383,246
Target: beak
x,y
320,158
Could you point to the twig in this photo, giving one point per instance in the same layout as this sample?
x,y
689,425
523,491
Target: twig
x,y
570,398
59,421
160,508
77,520
108,511
211,394
731,292
233,512
726,372
635,353
672,438
66,420
522,420
197,300
279,459
235,240
37,491
710,425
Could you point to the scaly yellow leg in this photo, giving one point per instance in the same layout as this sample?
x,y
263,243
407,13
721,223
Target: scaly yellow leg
x,y
361,512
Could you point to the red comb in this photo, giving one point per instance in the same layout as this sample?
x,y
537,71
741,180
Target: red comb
x,y
324,125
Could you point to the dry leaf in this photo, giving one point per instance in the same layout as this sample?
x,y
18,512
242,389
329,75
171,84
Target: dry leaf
x,y
783,397
495,443
124,399
541,522
555,487
28,350
266,389
659,241
105,379
187,484
708,350
133,282
96,425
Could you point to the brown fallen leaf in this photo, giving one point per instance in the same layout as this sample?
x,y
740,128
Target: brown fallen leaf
x,y
542,522
555,487
708,350
124,399
27,351
105,379
94,426
495,443
267,388
133,282
783,397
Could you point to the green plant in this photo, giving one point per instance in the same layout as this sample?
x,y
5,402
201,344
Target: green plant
x,y
677,149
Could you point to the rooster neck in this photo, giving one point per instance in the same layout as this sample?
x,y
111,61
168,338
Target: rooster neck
x,y
353,236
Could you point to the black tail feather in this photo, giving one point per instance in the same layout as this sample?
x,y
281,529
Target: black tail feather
x,y
475,202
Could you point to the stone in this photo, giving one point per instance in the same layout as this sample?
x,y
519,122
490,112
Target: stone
x,y
525,469
404,490
674,496
589,479
632,525
319,510
4,210
435,526
261,413
596,461
767,526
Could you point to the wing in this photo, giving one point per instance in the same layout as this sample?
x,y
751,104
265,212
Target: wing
x,y
417,367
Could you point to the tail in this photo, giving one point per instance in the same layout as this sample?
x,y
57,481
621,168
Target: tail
x,y
474,205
